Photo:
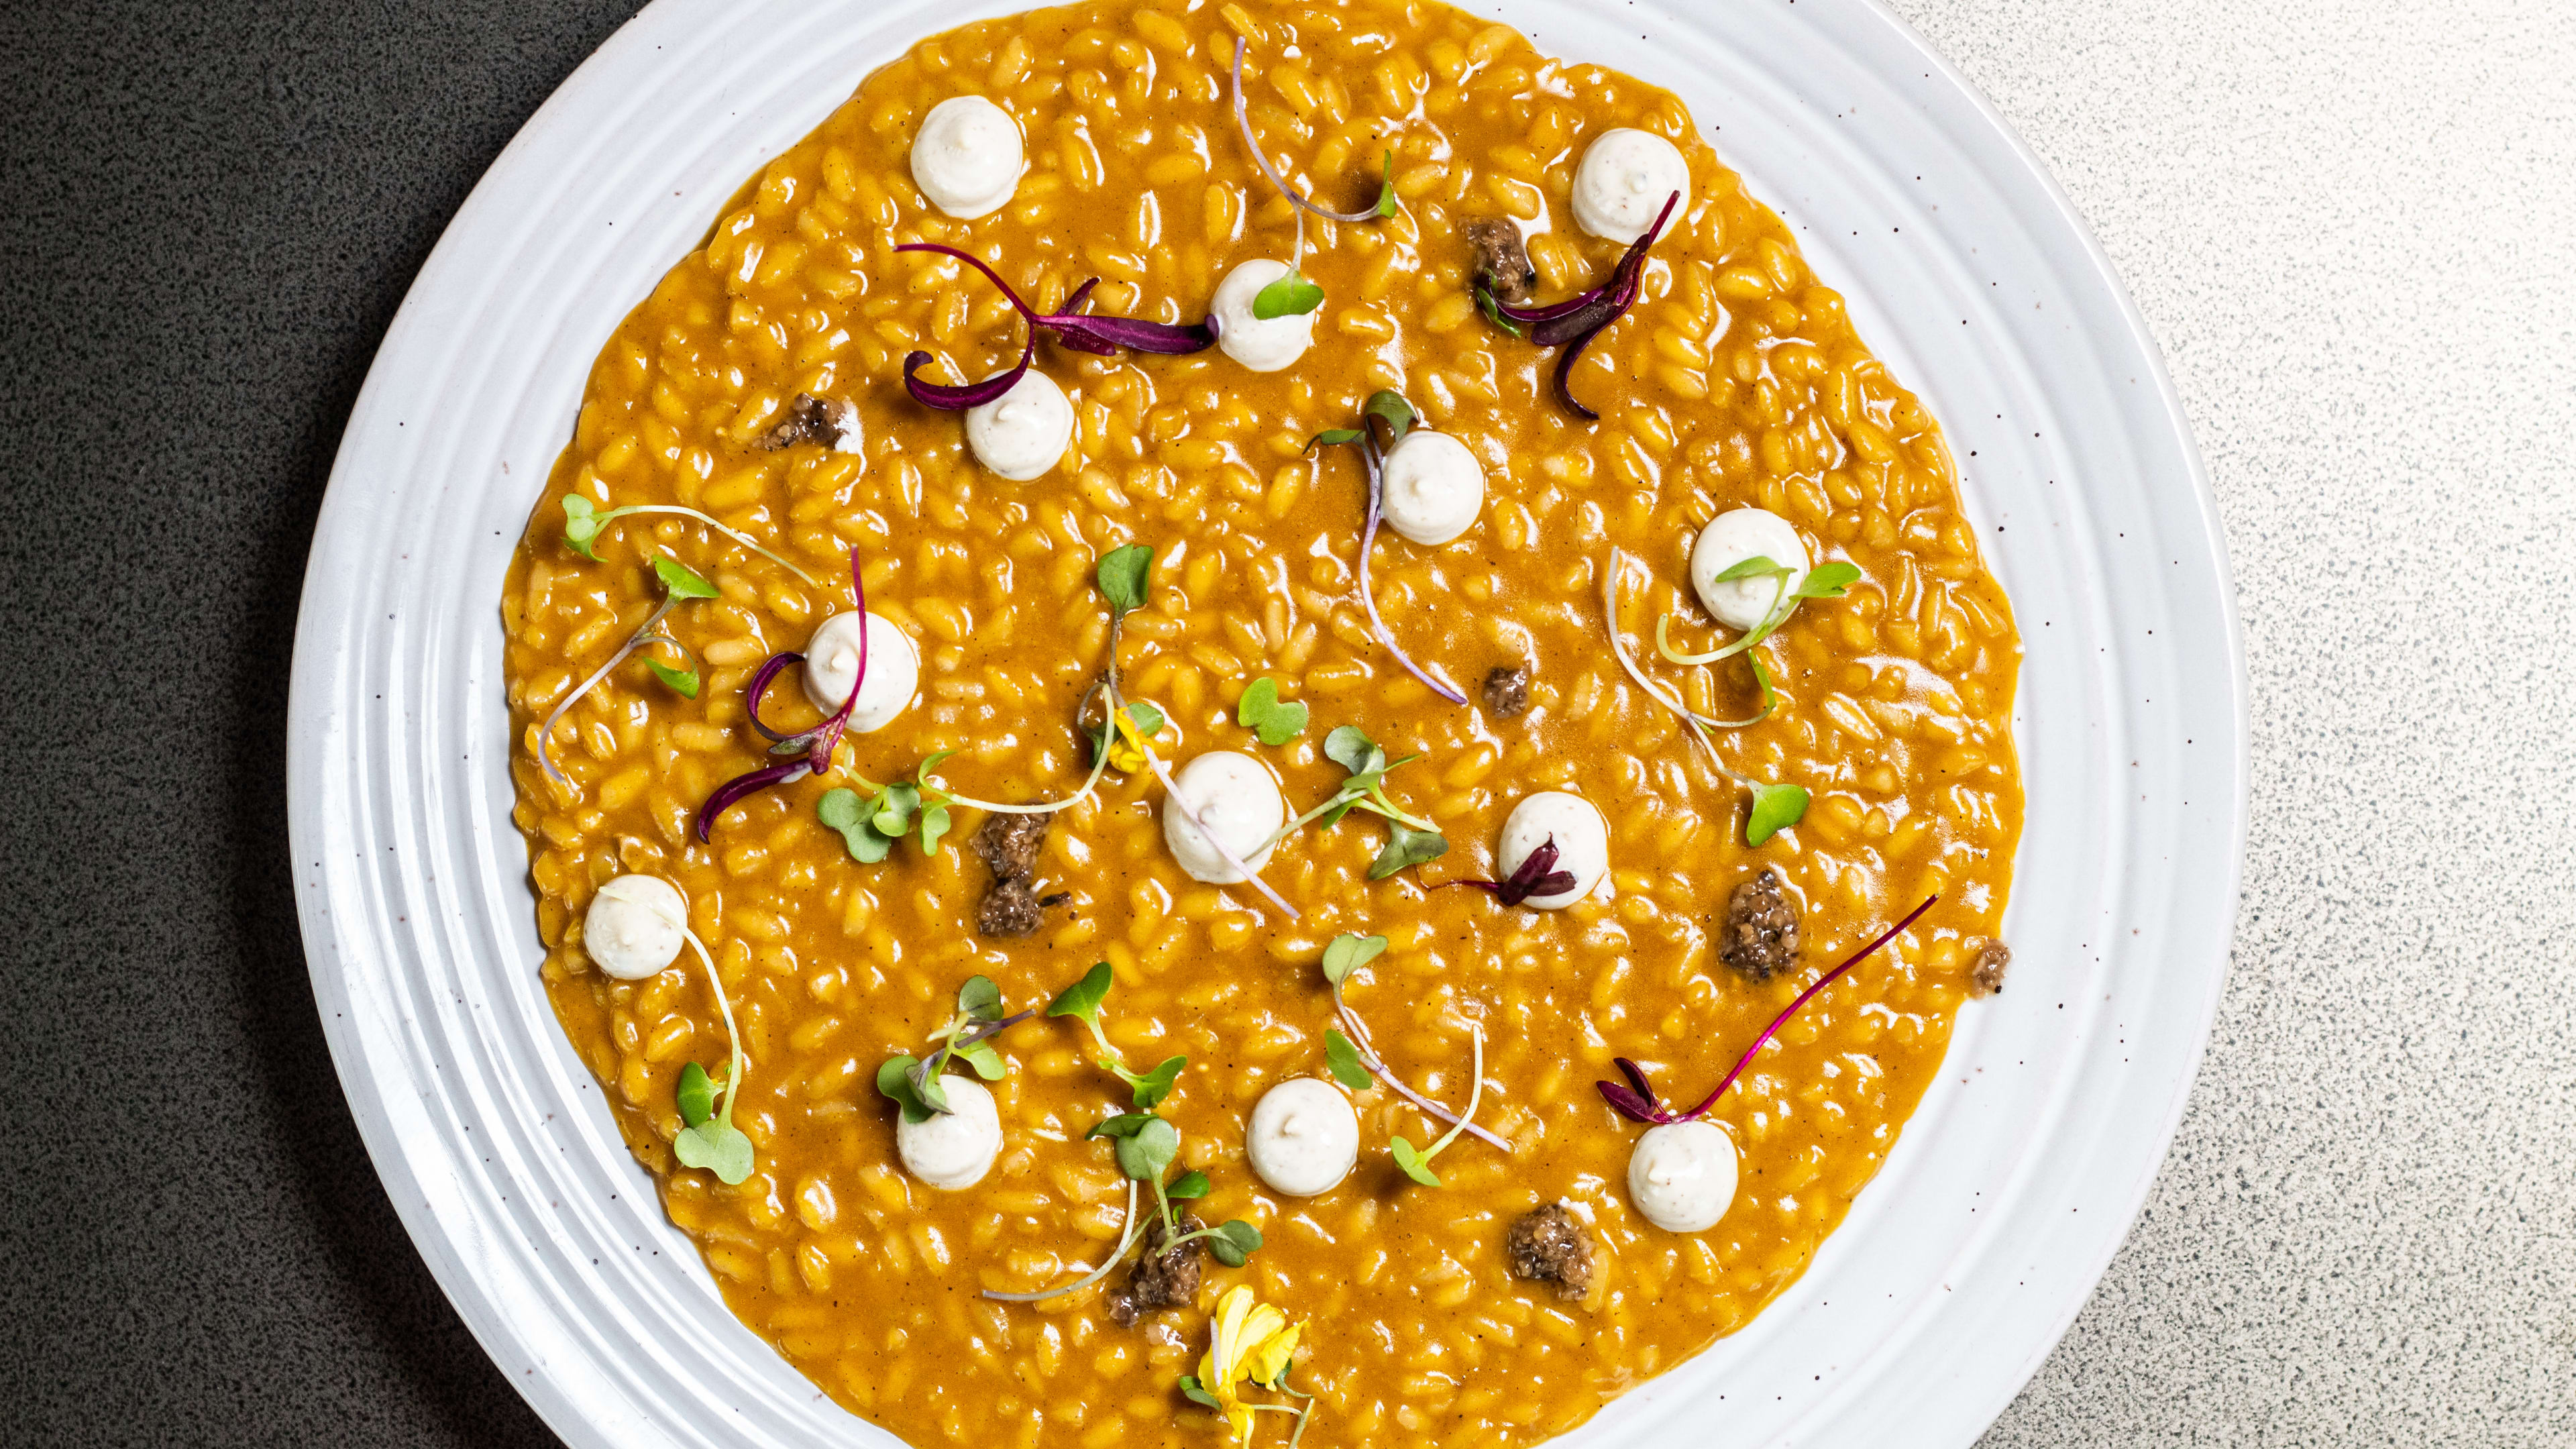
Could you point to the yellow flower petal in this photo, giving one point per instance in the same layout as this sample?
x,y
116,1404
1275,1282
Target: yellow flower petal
x,y
1267,1361
1126,748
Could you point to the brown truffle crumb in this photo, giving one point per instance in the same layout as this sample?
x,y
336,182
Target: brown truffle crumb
x,y
1502,262
1009,844
1507,691
1160,1279
1761,935
1986,975
1547,1245
809,420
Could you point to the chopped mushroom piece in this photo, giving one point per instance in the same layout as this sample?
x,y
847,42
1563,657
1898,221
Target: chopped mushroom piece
x,y
1161,1279
1986,975
1507,691
1547,1245
809,420
1761,936
1009,844
1502,261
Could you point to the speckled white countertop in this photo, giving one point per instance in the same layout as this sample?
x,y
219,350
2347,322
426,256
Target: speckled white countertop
x,y
2352,224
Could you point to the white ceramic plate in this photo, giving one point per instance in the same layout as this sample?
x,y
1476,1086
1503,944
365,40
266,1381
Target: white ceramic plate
x,y
1955,1272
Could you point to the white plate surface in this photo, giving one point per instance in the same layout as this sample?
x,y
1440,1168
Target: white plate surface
x,y
1955,1272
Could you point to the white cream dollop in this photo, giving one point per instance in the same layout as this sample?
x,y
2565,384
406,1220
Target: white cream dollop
x,y
1240,804
1623,181
1582,843
1023,433
1681,1176
1434,487
1730,539
966,158
1262,345
634,926
1303,1138
832,665
955,1148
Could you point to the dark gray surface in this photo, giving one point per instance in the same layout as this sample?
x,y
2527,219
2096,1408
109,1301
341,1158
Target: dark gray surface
x,y
212,212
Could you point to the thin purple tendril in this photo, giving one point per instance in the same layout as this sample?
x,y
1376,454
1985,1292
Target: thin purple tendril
x,y
1574,322
1081,331
817,742
1638,1102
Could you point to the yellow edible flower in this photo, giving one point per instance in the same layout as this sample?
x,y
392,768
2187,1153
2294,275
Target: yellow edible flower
x,y
1127,747
1247,1341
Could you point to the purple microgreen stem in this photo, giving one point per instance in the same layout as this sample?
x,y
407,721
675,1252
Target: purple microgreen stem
x,y
1373,462
1357,1031
818,742
1536,875
958,398
1639,1102
1574,322
1383,206
1081,331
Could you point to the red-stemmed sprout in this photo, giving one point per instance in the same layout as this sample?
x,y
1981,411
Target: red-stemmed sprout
x,y
1574,322
1536,875
1637,1101
1081,331
1390,407
811,750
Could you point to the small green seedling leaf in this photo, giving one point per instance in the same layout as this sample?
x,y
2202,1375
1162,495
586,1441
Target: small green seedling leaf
x,y
1386,187
1082,999
1348,953
682,581
1154,1086
719,1147
581,525
1144,1153
1389,404
1190,1390
685,681
1261,712
1415,1164
1234,1241
696,1095
1122,576
901,1081
1775,808
892,815
1125,1124
980,999
1344,1059
1826,581
1405,848
843,811
1192,1184
1290,296
1758,566
1352,749
1334,438
1494,313
934,825
984,1059
1762,676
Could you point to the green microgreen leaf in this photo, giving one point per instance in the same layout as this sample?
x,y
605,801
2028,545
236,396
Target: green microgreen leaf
x,y
1758,566
1352,749
1416,1165
1386,187
1154,1086
1775,808
1290,296
581,525
1762,676
717,1146
1233,1241
1405,848
1082,999
1344,1059
1123,576
1348,953
900,1081
980,999
1334,438
986,1061
1188,1185
1261,712
934,824
696,1095
1190,1390
1146,1151
685,681
1125,1124
681,580
1399,414
1826,581
893,806
1493,311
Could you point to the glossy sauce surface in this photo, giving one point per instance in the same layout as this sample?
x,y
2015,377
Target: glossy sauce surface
x,y
1736,380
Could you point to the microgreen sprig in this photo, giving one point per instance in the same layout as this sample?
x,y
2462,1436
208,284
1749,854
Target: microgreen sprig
x,y
1410,840
1637,1100
1261,712
1389,407
1124,576
1082,1001
913,1083
1082,331
1573,323
1536,875
869,830
806,753
583,521
1345,954
1145,1146
680,584
708,1138
1292,295
1417,1165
